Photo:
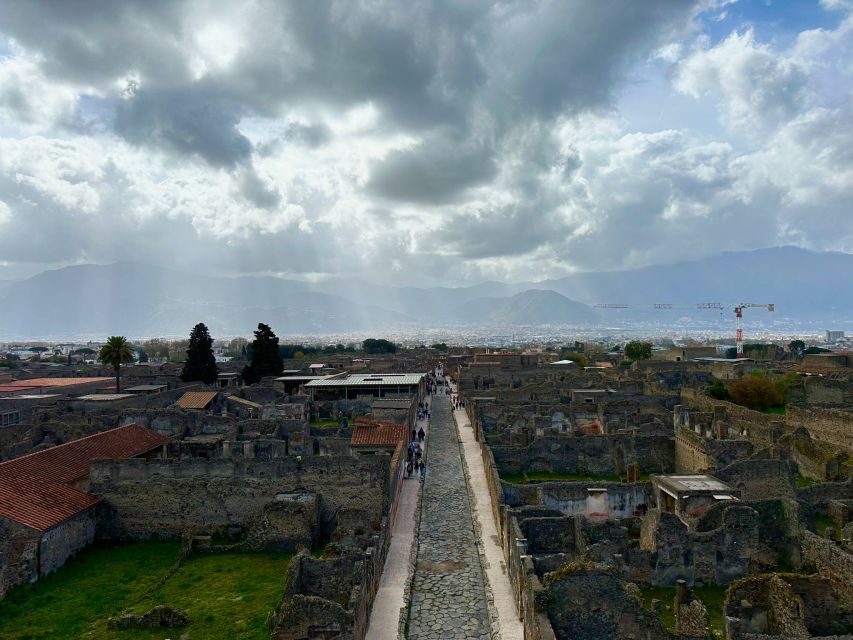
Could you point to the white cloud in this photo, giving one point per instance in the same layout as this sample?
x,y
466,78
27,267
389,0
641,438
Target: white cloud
x,y
31,102
753,84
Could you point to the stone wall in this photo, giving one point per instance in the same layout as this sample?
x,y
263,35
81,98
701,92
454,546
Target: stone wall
x,y
167,497
592,455
829,560
716,556
760,479
26,554
785,606
832,426
19,550
331,597
64,540
594,605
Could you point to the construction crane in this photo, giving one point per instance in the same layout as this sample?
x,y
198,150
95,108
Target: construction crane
x,y
737,307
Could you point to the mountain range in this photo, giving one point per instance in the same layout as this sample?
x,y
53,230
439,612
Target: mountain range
x,y
142,300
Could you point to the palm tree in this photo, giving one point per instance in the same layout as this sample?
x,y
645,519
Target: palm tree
x,y
116,352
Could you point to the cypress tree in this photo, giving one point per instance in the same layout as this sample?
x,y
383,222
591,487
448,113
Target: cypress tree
x,y
266,360
200,364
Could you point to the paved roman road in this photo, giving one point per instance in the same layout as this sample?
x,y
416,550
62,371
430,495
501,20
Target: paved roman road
x,y
448,598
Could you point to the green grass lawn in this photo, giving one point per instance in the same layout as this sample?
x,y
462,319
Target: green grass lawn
x,y
823,522
225,595
777,410
325,424
713,597
545,476
803,482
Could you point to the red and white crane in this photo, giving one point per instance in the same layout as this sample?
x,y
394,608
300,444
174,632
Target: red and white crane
x,y
737,307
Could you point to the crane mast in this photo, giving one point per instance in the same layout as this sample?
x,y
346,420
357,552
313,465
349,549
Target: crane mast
x,y
738,309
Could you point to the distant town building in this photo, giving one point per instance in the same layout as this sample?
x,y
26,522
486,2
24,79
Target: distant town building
x,y
834,336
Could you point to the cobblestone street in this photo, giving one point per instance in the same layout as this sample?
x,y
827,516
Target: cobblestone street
x,y
448,599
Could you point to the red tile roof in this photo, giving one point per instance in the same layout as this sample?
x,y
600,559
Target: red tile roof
x,y
35,489
56,382
373,433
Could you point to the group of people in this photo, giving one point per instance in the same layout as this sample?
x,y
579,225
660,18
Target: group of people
x,y
457,402
423,412
415,455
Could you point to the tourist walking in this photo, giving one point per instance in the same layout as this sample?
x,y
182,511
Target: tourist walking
x,y
421,434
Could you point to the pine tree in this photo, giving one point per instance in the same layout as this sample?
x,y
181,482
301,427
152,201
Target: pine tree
x,y
200,364
266,360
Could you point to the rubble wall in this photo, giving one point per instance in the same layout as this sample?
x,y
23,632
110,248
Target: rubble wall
x,y
166,497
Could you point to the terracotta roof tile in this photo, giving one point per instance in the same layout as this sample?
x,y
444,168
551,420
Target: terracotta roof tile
x,y
377,434
56,382
196,399
35,489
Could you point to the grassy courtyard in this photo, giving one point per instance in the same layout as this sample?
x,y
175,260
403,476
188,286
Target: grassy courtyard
x,y
225,595
713,597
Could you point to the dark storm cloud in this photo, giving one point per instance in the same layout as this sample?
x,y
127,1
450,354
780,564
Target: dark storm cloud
x,y
189,120
434,172
257,192
92,42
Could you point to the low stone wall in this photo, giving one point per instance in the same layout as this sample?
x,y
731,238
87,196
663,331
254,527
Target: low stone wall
x,y
331,595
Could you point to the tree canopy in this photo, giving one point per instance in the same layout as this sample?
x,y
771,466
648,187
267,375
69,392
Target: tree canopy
x,y
755,392
378,346
265,357
200,364
636,350
797,347
116,352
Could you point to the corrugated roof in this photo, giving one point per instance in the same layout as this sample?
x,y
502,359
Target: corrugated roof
x,y
196,399
105,397
369,380
34,489
374,433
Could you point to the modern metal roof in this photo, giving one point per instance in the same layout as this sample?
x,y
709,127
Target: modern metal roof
x,y
369,380
105,397
693,483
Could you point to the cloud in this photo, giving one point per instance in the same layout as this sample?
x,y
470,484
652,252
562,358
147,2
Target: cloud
x,y
753,85
415,140
191,120
433,172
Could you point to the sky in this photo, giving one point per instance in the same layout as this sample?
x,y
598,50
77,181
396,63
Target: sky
x,y
421,142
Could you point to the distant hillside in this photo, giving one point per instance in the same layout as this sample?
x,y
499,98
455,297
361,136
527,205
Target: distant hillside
x,y
140,300
531,307
802,283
